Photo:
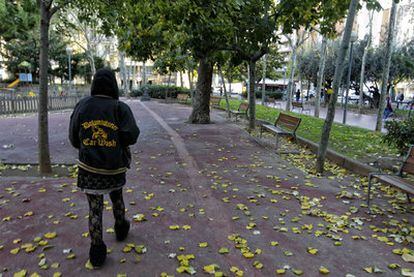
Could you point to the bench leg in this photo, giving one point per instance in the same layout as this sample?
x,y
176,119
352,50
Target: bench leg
x,y
261,131
370,177
277,141
408,198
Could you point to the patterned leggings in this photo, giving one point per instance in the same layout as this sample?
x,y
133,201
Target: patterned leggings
x,y
95,213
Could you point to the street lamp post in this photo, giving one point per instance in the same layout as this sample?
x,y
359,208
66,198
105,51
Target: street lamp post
x,y
69,52
354,38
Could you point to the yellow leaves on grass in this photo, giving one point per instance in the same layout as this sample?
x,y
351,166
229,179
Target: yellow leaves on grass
x,y
312,250
280,271
223,250
185,266
323,270
50,235
186,227
148,196
21,273
88,265
203,244
14,251
257,265
407,257
174,227
177,227
237,272
28,247
213,269
139,218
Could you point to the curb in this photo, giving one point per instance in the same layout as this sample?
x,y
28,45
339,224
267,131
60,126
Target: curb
x,y
350,164
339,159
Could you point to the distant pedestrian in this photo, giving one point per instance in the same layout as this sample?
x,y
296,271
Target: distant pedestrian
x,y
400,99
298,95
388,112
103,128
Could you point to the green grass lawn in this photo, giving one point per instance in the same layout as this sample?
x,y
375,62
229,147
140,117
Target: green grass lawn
x,y
354,142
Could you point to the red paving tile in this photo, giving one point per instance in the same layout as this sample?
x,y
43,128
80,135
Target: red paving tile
x,y
199,175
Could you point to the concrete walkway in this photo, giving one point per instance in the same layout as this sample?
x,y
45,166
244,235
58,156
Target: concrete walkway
x,y
225,193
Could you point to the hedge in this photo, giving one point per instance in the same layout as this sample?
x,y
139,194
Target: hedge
x,y
159,91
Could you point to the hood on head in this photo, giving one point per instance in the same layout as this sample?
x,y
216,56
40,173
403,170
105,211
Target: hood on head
x,y
104,83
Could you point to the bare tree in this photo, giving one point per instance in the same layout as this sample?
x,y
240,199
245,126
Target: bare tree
x,y
387,65
321,76
91,38
295,42
368,41
47,9
326,131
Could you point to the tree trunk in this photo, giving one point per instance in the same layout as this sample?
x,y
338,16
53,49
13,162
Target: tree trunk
x,y
201,98
92,63
43,131
226,96
321,76
190,79
387,65
144,74
264,80
252,95
326,131
181,79
363,63
123,72
291,78
361,80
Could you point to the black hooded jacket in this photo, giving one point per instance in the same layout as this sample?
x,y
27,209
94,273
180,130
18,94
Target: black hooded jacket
x,y
102,128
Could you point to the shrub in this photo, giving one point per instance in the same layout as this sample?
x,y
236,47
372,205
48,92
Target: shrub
x,y
273,94
159,91
400,134
278,95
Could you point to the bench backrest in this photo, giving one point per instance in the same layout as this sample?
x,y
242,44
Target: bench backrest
x,y
408,165
244,107
297,104
288,122
215,100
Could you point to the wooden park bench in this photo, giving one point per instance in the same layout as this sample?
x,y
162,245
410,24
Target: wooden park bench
x,y
215,102
285,125
242,110
299,106
398,180
182,98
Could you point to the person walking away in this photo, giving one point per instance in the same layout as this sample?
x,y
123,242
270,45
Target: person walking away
x,y
400,99
388,109
103,128
298,95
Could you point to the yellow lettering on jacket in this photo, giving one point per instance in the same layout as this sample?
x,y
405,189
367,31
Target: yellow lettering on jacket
x,y
99,136
96,123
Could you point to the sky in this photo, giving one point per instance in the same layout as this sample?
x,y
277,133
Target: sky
x,y
404,28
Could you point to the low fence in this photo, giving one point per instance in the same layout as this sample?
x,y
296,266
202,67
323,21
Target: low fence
x,y
31,104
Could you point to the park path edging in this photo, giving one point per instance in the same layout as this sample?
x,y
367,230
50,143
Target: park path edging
x,y
339,159
335,157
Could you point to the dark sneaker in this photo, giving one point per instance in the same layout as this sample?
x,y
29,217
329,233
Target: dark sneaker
x,y
121,230
97,254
